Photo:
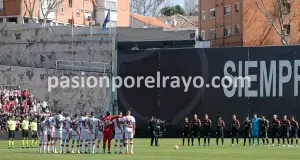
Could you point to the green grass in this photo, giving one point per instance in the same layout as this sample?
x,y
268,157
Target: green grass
x,y
165,152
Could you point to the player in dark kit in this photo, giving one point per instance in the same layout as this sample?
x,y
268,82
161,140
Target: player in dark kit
x,y
220,130
195,129
263,129
235,125
247,130
285,127
206,123
186,131
294,131
275,130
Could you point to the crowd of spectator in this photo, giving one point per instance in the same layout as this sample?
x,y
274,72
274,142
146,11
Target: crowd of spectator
x,y
19,103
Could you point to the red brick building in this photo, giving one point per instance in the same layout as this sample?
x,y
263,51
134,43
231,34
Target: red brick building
x,y
14,11
241,23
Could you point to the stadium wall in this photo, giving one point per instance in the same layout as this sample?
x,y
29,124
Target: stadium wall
x,y
4,135
71,100
30,54
270,65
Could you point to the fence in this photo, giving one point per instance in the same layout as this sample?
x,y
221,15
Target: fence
x,y
274,73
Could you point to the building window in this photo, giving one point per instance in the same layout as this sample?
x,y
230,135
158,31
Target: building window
x,y
61,9
237,29
78,13
287,29
87,16
113,24
237,8
70,21
203,35
203,15
12,20
227,31
111,5
212,34
107,4
212,13
1,4
70,3
227,10
40,21
1,20
286,8
26,20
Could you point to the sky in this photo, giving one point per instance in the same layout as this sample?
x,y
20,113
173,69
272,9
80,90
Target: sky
x,y
174,2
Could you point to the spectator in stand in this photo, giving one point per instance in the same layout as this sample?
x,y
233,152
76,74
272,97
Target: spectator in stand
x,y
15,94
24,106
11,95
29,103
1,96
19,95
44,105
16,102
7,106
38,106
25,94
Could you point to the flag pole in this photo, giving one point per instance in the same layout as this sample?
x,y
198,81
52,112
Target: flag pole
x,y
111,72
131,12
72,42
110,27
91,35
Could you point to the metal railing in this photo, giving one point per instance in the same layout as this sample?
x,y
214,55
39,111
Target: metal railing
x,y
101,67
9,87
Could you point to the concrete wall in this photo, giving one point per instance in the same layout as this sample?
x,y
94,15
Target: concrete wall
x,y
18,136
29,56
70,100
202,44
152,34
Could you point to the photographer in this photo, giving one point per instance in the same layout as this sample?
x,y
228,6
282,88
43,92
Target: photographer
x,y
154,130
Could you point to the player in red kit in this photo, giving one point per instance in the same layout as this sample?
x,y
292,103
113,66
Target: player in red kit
x,y
108,130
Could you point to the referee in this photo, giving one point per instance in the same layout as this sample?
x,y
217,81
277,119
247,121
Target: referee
x,y
25,127
34,135
11,132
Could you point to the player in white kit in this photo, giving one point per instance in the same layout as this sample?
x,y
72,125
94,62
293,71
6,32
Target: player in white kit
x,y
58,130
43,135
66,133
119,134
129,129
51,133
93,122
100,128
83,131
75,133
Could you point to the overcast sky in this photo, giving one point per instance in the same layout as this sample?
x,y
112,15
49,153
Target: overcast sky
x,y
174,2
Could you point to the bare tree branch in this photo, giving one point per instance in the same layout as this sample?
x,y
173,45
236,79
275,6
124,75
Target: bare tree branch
x,y
30,6
46,7
147,7
281,12
265,12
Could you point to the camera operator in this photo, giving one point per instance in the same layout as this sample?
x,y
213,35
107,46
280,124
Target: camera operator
x,y
154,130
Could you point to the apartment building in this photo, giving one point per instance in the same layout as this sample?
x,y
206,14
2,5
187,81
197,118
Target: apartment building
x,y
119,12
15,11
84,12
190,6
123,13
101,11
241,23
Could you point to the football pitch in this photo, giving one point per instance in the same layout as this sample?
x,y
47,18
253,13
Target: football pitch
x,y
164,152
